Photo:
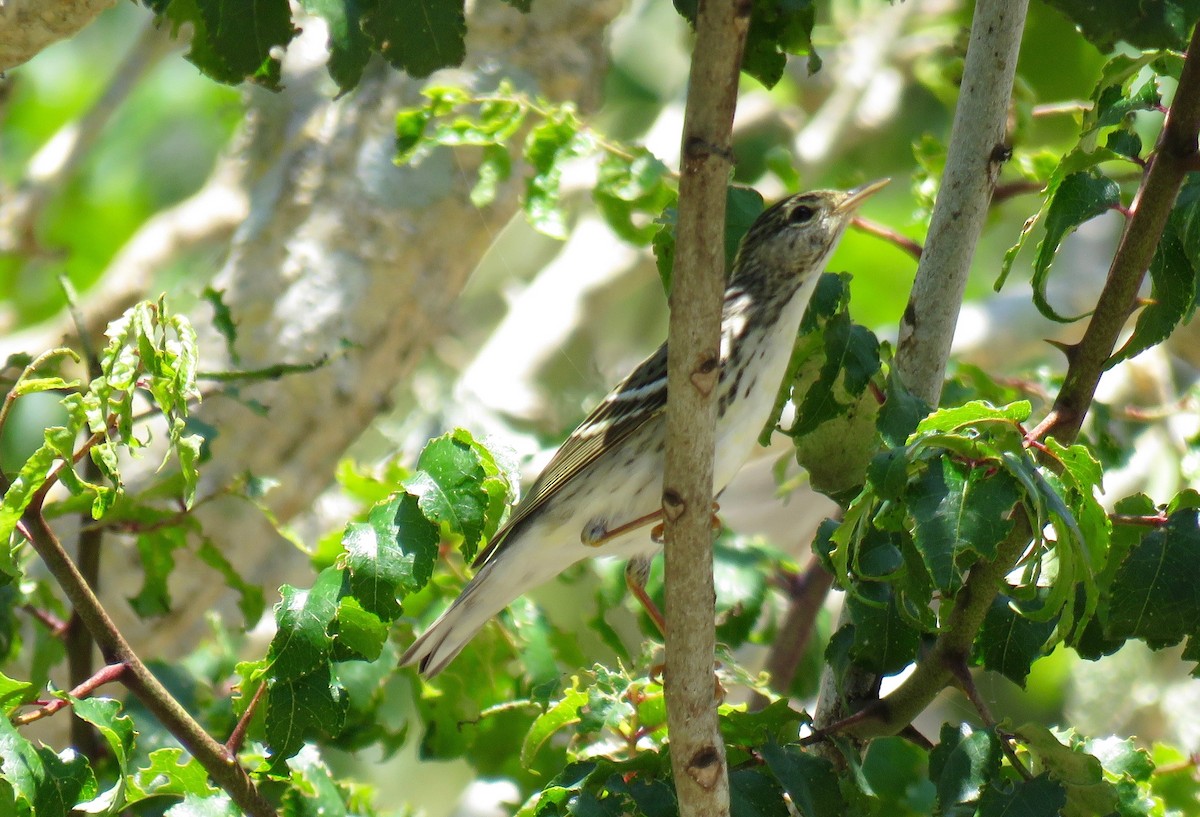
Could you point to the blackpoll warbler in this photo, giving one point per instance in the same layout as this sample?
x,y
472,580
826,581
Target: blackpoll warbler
x,y
604,485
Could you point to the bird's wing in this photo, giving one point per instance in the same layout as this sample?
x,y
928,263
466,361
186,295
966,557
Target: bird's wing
x,y
638,399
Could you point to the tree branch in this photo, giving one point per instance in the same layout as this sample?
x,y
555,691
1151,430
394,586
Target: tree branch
x,y
28,27
697,749
107,674
1175,156
224,769
806,595
972,167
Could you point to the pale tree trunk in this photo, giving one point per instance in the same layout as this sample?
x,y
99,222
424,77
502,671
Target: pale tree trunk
x,y
28,26
346,256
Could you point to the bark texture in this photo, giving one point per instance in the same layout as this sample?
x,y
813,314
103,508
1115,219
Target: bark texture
x,y
28,26
346,256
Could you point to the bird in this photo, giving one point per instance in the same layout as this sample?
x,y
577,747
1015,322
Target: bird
x,y
602,489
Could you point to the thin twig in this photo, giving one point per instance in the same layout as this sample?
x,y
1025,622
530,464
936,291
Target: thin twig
x,y
1155,521
106,675
53,623
224,769
80,664
806,597
238,736
900,240
967,683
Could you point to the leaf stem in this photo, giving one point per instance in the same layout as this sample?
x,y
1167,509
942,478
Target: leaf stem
x,y
223,767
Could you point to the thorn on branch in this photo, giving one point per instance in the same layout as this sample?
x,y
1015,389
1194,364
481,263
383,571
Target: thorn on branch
x,y
1069,350
1152,521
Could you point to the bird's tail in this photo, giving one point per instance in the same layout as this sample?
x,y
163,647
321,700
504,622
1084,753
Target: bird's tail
x,y
446,637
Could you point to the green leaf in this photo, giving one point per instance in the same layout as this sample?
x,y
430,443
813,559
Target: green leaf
x,y
561,714
547,146
897,771
495,166
1039,797
232,40
956,509
315,791
753,794
1121,756
810,781
1155,595
417,36
900,414
1009,642
222,319
48,784
250,595
20,493
632,187
1079,198
218,805
359,631
14,693
962,764
1087,792
777,28
884,641
448,487
116,729
118,732
1145,24
170,773
974,412
302,642
155,548
302,708
349,48
393,552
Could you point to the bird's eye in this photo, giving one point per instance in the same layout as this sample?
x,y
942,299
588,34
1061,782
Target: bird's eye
x,y
801,214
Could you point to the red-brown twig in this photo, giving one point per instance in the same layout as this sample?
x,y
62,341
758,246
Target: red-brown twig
x,y
106,675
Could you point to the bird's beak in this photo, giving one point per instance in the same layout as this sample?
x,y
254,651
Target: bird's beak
x,y
860,194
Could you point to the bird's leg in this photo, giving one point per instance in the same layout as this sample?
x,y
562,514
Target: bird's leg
x,y
597,535
637,570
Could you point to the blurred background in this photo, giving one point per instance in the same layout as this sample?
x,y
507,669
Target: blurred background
x,y
127,173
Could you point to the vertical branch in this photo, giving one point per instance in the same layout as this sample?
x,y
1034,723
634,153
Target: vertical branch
x,y
976,150
697,750
80,666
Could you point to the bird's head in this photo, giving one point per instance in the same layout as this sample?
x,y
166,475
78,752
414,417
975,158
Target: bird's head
x,y
798,233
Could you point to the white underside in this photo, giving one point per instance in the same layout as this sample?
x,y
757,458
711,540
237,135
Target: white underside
x,y
550,542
